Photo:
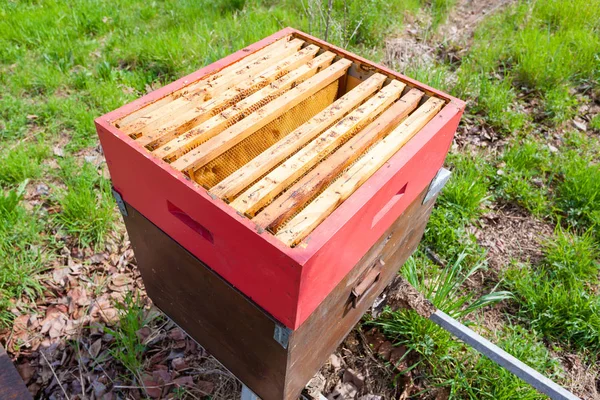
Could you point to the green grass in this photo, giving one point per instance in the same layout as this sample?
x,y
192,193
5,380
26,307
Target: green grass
x,y
532,55
22,161
461,202
23,252
446,361
444,288
87,207
578,191
548,47
559,297
524,173
127,348
466,193
498,99
64,63
595,123
572,258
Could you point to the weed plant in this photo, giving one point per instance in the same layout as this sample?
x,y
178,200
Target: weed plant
x,y
128,348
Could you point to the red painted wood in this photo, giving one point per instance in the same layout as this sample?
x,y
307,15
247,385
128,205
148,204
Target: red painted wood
x,y
350,226
242,257
287,282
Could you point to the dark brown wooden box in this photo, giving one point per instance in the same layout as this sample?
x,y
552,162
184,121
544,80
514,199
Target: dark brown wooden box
x,y
272,360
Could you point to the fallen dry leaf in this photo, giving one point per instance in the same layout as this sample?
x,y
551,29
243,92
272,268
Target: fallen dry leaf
x,y
179,364
162,375
206,387
343,391
78,296
26,370
354,377
152,388
95,348
184,381
59,275
177,334
58,151
143,333
385,350
121,280
396,356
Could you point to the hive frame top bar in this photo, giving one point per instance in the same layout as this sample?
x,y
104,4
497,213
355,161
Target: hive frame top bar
x,y
340,216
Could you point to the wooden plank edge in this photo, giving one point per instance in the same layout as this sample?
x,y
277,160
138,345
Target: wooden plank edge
x,y
229,138
273,216
237,113
260,165
265,190
193,114
129,118
202,93
321,207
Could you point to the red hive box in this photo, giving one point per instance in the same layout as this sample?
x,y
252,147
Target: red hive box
x,y
287,266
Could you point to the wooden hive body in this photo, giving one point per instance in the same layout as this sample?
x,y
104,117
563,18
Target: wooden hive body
x,y
235,163
239,333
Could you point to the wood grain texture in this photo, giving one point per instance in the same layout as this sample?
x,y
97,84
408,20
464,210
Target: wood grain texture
x,y
236,113
242,153
240,334
197,97
263,191
282,208
187,117
317,210
12,386
244,176
237,71
232,136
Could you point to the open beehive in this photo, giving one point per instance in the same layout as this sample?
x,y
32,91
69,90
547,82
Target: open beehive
x,y
284,135
281,165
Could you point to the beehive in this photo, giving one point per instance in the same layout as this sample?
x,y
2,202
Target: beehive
x,y
280,165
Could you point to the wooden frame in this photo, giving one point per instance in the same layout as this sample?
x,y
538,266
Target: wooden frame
x,y
280,210
235,183
287,282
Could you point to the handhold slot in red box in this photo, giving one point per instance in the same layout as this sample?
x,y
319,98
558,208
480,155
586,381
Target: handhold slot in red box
x,y
190,222
389,205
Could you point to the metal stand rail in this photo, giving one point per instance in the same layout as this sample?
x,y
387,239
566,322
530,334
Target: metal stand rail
x,y
501,357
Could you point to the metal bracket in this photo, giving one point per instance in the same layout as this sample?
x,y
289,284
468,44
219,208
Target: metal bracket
x,y
282,335
120,202
437,184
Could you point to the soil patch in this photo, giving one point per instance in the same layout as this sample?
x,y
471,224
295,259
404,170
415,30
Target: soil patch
x,y
464,19
510,233
583,380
